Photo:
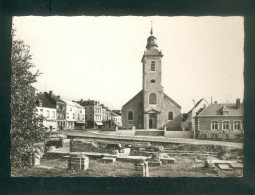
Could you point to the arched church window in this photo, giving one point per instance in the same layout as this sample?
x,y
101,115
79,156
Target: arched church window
x,y
152,81
170,116
130,115
153,98
153,66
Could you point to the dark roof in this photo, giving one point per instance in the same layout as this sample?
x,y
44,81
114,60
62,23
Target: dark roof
x,y
200,110
197,105
87,103
45,101
216,110
117,111
53,97
132,99
115,114
172,101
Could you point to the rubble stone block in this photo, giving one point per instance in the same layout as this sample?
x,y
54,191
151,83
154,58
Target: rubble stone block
x,y
155,163
209,164
142,169
108,160
167,160
114,146
225,167
78,162
51,148
125,151
236,166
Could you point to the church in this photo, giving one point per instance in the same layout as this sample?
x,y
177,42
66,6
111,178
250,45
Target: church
x,y
151,108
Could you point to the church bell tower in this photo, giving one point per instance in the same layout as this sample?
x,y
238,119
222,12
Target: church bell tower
x,y
152,85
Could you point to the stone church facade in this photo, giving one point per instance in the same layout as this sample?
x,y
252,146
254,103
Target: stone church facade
x,y
151,108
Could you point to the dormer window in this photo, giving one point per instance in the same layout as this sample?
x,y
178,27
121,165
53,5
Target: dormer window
x,y
225,111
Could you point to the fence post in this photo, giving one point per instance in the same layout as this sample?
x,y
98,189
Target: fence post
x,y
164,130
145,169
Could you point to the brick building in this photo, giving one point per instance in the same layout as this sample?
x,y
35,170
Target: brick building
x,y
151,108
220,121
93,113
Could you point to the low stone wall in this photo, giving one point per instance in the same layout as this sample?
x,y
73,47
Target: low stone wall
x,y
179,134
149,133
125,132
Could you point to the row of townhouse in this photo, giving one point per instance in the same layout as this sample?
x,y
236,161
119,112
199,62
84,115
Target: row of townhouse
x,y
97,115
218,121
61,114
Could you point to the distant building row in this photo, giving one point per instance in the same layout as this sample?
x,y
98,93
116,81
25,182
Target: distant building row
x,y
60,114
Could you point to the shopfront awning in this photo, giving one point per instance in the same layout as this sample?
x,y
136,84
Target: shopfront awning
x,y
80,122
99,123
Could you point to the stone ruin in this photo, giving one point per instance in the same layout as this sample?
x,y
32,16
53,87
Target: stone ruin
x,y
33,157
142,169
78,161
57,143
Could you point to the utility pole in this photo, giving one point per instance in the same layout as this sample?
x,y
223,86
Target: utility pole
x,y
193,119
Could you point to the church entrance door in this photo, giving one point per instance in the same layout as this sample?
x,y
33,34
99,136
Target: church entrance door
x,y
153,121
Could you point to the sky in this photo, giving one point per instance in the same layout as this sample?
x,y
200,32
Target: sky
x,y
100,57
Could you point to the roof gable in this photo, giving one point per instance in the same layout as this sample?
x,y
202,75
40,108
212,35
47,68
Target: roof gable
x,y
197,104
132,99
152,111
172,101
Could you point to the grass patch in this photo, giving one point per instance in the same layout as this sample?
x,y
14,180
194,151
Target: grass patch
x,y
184,167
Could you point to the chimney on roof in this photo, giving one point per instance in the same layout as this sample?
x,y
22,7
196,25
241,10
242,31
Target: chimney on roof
x,y
215,102
238,103
50,93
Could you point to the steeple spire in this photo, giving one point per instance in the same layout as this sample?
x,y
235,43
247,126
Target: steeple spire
x,y
151,29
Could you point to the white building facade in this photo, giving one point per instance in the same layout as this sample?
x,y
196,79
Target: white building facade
x,y
50,117
46,109
116,119
75,116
